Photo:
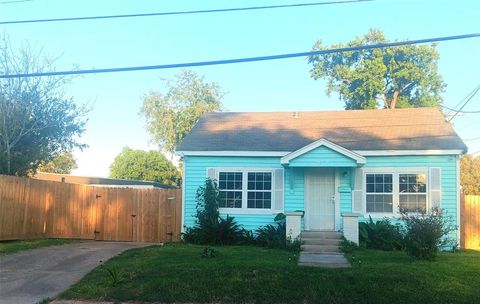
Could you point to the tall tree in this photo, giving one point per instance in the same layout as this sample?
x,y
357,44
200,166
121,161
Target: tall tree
x,y
36,121
470,174
393,77
172,114
144,165
63,163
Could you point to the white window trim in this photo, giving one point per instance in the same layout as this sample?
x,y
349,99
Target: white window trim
x,y
245,209
395,171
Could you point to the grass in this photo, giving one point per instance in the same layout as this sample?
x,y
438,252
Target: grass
x,y
178,273
9,247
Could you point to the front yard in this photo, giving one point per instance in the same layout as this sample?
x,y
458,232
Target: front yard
x,y
178,273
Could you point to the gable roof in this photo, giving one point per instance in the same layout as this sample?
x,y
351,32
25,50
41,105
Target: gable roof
x,y
359,130
323,143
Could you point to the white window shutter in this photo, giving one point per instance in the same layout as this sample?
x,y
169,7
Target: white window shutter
x,y
357,193
435,187
212,174
278,187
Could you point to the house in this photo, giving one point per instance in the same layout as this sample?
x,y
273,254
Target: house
x,y
324,170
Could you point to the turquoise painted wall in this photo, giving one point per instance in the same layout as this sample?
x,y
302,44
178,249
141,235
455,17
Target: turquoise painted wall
x,y
448,165
196,171
322,157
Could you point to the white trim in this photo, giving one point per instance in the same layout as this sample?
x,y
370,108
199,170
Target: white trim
x,y
459,222
336,224
408,152
284,153
395,171
245,171
182,229
233,153
326,143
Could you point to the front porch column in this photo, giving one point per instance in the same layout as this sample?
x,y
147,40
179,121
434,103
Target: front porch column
x,y
350,226
294,224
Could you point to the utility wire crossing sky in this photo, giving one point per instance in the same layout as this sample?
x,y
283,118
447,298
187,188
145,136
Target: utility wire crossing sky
x,y
241,60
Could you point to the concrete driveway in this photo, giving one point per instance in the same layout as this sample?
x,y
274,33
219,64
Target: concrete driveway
x,y
34,275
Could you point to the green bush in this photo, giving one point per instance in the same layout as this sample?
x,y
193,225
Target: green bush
x,y
272,236
381,234
347,246
210,227
426,233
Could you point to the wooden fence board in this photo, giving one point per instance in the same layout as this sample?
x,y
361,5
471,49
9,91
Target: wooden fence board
x,y
32,208
470,222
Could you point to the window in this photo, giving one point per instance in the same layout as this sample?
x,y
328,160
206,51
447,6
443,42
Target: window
x,y
379,193
246,189
259,190
412,192
230,189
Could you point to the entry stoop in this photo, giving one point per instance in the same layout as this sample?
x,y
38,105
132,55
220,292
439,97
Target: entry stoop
x,y
321,241
322,249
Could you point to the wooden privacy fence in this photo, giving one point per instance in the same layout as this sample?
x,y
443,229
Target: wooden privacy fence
x,y
32,208
470,221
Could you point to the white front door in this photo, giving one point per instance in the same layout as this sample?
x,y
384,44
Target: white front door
x,y
320,199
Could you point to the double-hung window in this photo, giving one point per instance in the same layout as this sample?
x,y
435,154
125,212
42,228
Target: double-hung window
x,y
391,190
246,189
413,192
379,193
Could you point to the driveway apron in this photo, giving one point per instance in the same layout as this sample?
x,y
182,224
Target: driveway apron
x,y
34,275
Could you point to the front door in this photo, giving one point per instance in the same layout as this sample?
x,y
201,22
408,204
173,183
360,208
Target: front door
x,y
320,199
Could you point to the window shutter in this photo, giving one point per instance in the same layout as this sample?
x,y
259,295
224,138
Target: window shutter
x,y
435,187
278,178
212,174
357,193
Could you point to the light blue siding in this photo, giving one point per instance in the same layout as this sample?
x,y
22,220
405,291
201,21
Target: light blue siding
x,y
322,157
196,173
294,179
448,166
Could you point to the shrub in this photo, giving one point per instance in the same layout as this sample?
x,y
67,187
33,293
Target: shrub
x,y
381,235
208,252
347,246
272,236
210,227
426,233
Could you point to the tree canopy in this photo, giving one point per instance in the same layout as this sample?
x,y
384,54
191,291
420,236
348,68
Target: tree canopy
x,y
36,121
392,77
63,163
144,165
470,174
172,114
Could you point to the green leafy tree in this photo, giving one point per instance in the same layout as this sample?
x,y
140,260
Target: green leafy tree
x,y
144,165
393,77
37,122
470,174
63,163
172,114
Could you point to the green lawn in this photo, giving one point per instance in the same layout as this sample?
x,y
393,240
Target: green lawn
x,y
178,273
8,247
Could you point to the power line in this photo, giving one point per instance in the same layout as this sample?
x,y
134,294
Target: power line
x,y
463,112
14,1
470,96
251,8
239,60
472,139
468,125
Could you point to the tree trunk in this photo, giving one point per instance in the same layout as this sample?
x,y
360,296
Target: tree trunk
x,y
393,104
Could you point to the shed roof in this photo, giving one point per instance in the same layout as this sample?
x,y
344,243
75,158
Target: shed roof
x,y
360,130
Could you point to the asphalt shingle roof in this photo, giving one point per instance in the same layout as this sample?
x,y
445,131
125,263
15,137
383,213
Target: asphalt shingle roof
x,y
399,129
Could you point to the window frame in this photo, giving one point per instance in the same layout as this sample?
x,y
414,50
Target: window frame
x,y
427,189
245,171
379,193
395,171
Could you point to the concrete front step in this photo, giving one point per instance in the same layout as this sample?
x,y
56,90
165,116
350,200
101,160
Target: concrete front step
x,y
322,235
320,248
319,241
323,260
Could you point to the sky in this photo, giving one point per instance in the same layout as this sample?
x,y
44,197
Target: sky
x,y
281,85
